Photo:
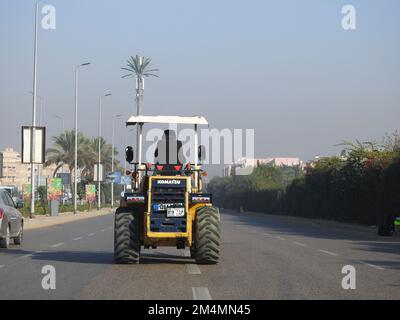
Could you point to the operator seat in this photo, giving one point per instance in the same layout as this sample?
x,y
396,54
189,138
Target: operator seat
x,y
169,152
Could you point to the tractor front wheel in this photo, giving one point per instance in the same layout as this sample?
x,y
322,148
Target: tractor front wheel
x,y
126,237
207,239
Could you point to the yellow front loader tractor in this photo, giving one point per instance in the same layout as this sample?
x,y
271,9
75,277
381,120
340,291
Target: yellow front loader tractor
x,y
166,205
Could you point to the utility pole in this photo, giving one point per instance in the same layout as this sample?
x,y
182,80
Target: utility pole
x,y
112,158
33,167
99,155
76,136
139,95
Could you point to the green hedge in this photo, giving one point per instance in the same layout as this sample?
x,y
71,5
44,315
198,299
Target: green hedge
x,y
363,189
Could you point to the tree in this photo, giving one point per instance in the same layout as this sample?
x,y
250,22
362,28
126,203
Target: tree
x,y
106,156
392,142
63,152
139,67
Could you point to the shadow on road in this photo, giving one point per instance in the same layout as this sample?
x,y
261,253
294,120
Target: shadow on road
x,y
95,257
367,240
376,246
161,258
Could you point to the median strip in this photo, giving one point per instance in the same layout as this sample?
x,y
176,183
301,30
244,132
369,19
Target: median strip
x,y
42,221
201,293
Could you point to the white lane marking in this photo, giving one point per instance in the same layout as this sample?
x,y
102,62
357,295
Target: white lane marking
x,y
90,234
328,252
103,230
375,266
193,269
26,256
78,238
267,234
281,238
201,293
300,244
370,265
57,245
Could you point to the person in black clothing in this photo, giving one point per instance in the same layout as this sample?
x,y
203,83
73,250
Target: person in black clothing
x,y
169,149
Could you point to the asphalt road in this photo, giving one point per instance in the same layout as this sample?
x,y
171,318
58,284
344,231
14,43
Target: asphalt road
x,y
263,257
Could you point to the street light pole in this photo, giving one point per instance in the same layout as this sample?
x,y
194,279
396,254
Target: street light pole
x,y
99,145
37,167
76,135
32,209
39,113
112,158
139,96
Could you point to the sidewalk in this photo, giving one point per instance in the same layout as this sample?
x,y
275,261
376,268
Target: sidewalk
x,y
41,221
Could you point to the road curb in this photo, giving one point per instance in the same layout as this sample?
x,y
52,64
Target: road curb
x,y
67,217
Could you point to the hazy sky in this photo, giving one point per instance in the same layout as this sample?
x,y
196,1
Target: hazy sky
x,y
285,68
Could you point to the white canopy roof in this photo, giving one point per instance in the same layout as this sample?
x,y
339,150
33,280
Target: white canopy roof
x,y
167,120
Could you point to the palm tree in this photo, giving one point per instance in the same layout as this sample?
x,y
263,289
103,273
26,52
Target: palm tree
x,y
106,156
63,152
139,67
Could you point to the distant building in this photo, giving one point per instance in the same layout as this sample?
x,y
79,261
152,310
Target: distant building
x,y
18,174
243,163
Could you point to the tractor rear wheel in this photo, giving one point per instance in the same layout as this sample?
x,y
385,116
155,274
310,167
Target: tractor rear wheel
x,y
126,237
207,238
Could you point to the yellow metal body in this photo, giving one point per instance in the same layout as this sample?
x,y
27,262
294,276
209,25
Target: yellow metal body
x,y
151,238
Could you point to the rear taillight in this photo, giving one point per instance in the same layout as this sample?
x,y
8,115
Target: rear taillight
x,y
178,167
1,213
159,168
148,166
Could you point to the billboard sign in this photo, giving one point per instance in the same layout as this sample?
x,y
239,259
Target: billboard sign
x,y
114,177
98,172
36,153
54,189
90,193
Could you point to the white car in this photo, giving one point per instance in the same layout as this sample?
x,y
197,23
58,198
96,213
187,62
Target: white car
x,y
11,220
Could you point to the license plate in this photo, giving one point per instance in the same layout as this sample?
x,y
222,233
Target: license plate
x,y
175,212
165,206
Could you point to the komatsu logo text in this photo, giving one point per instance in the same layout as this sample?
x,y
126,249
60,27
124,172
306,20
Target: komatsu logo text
x,y
169,181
